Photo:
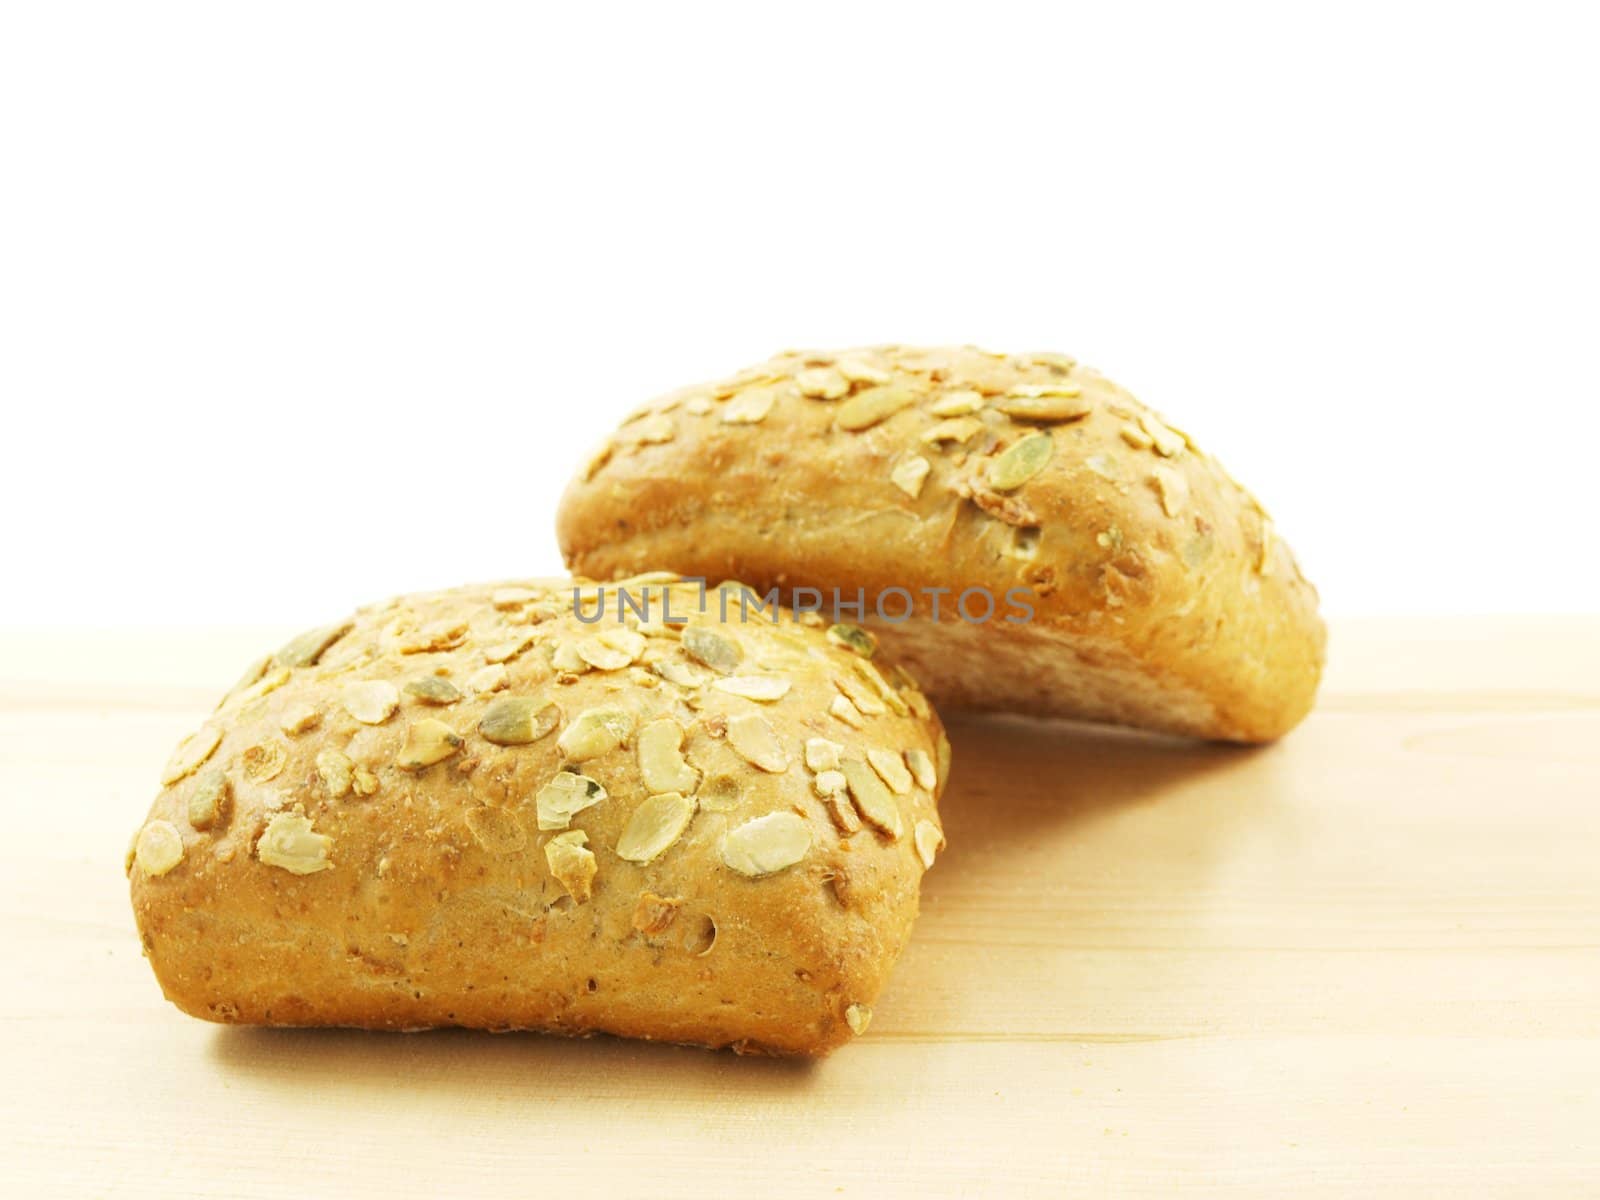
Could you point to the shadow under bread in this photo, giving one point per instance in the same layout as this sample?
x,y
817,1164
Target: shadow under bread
x,y
1082,866
595,1073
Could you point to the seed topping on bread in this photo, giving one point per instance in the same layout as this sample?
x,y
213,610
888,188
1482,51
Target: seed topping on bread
x,y
978,424
600,762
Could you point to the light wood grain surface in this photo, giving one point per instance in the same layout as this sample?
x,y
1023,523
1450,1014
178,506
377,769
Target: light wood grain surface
x,y
1363,962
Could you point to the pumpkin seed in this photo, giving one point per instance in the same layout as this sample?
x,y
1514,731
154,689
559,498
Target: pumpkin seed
x,y
566,795
305,650
428,741
853,637
518,720
710,648
433,689
209,798
1021,462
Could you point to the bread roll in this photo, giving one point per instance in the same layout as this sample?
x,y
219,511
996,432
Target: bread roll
x,y
476,808
1123,575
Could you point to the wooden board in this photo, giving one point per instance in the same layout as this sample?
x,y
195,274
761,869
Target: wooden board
x,y
1365,961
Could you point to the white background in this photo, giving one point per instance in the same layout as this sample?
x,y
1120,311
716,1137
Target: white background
x,y
302,305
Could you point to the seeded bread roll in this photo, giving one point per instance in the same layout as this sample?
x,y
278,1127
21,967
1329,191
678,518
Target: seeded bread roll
x,y
1125,576
475,808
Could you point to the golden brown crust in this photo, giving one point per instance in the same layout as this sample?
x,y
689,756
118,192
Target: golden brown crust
x,y
1160,595
365,833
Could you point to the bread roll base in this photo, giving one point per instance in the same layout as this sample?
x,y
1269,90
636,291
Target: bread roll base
x,y
434,900
1160,595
